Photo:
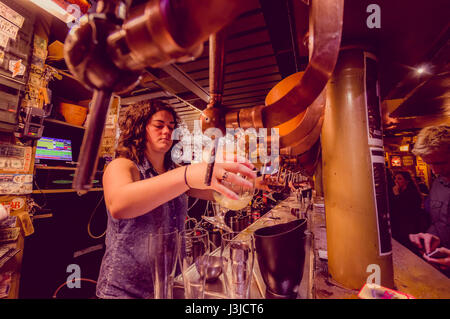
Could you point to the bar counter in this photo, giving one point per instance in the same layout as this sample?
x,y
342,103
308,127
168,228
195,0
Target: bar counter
x,y
412,275
277,215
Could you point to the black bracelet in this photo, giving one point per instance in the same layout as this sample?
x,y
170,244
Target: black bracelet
x,y
208,175
185,179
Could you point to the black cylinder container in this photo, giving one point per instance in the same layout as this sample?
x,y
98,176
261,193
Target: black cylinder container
x,y
281,256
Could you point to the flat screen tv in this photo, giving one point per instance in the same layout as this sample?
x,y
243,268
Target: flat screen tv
x,y
53,151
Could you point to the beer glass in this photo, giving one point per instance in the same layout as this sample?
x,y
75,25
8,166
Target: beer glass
x,y
237,256
163,252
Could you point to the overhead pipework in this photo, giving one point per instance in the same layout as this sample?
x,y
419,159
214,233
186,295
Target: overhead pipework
x,y
109,53
325,37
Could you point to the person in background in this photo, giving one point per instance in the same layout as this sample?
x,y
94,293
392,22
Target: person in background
x,y
422,186
433,146
405,209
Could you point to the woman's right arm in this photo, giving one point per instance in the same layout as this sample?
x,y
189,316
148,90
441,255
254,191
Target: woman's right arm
x,y
126,196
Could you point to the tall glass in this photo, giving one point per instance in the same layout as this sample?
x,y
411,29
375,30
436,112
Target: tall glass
x,y
163,252
194,255
237,256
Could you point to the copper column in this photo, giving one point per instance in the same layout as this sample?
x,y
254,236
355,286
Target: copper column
x,y
354,180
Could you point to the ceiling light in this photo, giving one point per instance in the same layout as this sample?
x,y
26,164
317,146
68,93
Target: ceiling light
x,y
423,69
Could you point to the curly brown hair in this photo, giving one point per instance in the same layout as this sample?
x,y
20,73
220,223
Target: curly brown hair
x,y
132,140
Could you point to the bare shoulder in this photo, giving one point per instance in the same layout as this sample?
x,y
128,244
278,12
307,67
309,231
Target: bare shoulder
x,y
120,164
122,167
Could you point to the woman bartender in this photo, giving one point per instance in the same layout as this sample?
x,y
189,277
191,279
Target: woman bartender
x,y
145,192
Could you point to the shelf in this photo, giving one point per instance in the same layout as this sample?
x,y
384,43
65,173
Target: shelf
x,y
63,123
55,168
54,191
69,87
66,74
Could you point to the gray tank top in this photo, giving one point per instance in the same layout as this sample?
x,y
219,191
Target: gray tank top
x,y
125,269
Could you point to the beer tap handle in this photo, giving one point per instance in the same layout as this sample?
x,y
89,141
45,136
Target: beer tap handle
x,y
88,158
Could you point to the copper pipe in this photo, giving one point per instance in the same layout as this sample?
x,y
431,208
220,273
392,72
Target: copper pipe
x,y
326,37
216,67
161,32
193,21
307,142
306,162
232,119
144,40
307,124
250,117
213,115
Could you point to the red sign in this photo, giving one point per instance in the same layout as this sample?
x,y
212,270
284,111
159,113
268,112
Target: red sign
x,y
396,161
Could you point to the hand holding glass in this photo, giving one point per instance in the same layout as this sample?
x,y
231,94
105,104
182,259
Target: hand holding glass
x,y
225,203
